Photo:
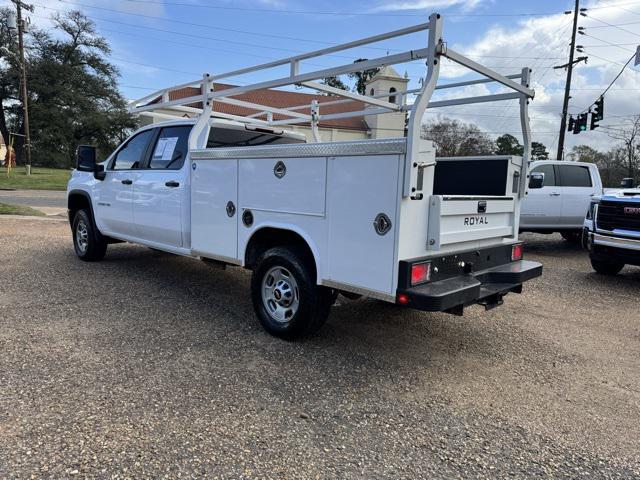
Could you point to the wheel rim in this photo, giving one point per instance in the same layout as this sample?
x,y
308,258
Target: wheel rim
x,y
82,236
280,294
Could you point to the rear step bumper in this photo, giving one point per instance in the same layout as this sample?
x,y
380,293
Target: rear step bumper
x,y
486,287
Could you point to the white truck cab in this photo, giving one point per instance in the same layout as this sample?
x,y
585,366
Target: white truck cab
x,y
381,218
562,202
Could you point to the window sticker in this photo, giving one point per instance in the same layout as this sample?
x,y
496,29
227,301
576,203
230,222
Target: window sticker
x,y
165,148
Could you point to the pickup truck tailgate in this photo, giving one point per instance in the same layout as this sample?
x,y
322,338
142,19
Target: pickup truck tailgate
x,y
460,219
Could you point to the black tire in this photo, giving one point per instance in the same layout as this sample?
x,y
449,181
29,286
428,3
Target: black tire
x,y
282,277
88,242
604,267
572,237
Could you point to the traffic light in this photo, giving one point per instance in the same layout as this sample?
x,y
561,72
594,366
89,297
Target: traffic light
x,y
580,124
572,124
594,121
598,109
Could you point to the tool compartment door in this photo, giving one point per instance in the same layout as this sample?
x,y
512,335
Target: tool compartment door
x,y
214,208
359,189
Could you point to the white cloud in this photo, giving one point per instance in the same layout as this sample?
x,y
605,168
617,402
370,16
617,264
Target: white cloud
x,y
541,43
427,5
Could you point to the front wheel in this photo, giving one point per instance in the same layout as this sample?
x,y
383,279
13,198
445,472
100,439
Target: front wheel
x,y
88,242
604,267
285,296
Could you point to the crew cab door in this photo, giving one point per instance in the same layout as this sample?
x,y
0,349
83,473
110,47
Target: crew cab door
x,y
160,190
576,188
542,208
114,195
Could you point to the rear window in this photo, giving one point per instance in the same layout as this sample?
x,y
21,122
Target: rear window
x,y
227,137
574,176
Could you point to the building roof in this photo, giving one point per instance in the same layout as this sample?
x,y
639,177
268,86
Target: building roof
x,y
282,99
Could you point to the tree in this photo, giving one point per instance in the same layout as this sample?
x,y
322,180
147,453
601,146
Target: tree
x,y
611,164
630,137
538,151
508,145
363,77
73,92
335,82
453,138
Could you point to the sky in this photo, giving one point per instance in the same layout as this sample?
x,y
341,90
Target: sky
x,y
159,43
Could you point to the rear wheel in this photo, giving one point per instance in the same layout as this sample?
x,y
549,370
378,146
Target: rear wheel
x,y
285,296
88,243
604,267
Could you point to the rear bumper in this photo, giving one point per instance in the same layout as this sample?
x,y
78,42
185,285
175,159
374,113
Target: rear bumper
x,y
485,287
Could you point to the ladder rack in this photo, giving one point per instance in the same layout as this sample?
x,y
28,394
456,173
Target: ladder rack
x,y
517,84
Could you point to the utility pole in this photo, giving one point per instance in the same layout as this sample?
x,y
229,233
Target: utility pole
x,y
23,67
567,87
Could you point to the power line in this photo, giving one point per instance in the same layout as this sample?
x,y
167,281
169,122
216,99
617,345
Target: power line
x,y
612,81
610,25
245,44
336,13
614,26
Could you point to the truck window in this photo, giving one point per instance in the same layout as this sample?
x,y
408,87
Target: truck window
x,y
132,154
171,148
227,137
549,174
574,176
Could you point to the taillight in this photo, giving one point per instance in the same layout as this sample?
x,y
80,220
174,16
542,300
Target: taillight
x,y
420,273
516,252
403,298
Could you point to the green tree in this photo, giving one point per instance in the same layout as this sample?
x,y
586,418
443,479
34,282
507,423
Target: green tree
x,y
539,151
335,82
508,145
74,98
454,138
363,77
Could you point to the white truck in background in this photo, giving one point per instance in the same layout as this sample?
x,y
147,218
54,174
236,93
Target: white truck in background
x,y
561,204
380,218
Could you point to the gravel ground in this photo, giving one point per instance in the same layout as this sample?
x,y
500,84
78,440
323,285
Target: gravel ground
x,y
151,365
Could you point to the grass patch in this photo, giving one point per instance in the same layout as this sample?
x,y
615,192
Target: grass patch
x,y
40,178
6,209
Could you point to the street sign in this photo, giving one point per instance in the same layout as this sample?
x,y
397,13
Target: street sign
x,y
637,62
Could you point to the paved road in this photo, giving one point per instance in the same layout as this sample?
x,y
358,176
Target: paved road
x,y
150,365
35,198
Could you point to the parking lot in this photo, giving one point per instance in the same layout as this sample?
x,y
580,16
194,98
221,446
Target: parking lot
x,y
151,365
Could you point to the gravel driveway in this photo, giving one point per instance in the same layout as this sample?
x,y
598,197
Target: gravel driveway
x,y
151,365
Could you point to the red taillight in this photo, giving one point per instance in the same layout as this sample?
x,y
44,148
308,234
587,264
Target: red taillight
x,y
516,252
420,273
403,298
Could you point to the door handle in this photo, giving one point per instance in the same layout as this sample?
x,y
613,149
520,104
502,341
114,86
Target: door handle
x,y
127,182
172,184
554,194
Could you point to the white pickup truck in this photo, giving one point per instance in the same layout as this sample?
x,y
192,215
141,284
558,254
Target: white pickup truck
x,y
561,204
380,218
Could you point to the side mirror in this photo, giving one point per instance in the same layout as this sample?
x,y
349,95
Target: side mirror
x,y
536,180
86,161
86,158
627,183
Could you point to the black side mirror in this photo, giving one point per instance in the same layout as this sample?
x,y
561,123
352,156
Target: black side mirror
x,y
86,158
627,183
86,161
536,180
